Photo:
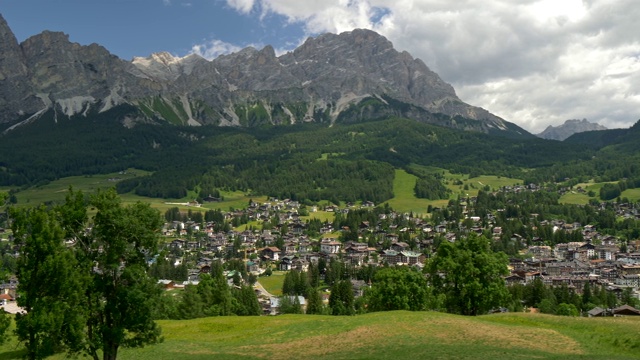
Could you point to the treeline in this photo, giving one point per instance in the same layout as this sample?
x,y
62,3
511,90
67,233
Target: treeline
x,y
565,300
517,209
465,278
311,162
211,296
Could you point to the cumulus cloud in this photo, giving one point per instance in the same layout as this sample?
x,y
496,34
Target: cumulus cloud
x,y
214,48
532,62
243,6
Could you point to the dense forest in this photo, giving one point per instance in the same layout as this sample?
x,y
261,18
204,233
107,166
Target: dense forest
x,y
307,162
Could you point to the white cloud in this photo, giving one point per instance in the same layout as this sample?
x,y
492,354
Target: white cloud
x,y
243,6
533,62
214,48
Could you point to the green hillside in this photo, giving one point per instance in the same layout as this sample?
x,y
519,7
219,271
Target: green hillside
x,y
393,335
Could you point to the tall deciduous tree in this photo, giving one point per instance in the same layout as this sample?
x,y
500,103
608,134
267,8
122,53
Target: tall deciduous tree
x,y
86,291
50,286
121,296
399,288
470,275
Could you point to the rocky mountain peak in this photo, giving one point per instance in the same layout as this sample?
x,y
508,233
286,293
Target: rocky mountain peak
x,y
163,66
14,77
318,81
570,127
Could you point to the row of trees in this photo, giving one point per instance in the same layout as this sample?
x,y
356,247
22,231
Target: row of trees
x,y
464,277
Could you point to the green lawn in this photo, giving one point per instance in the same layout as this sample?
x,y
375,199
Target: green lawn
x,y
581,199
574,198
631,194
273,283
404,199
57,190
391,335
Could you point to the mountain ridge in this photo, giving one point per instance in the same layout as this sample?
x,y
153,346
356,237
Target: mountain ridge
x,y
569,128
318,81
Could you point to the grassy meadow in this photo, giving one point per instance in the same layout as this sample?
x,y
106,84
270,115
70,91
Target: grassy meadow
x,y
404,199
273,283
390,335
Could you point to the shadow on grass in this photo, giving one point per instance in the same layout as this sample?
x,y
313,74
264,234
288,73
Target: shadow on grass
x,y
16,354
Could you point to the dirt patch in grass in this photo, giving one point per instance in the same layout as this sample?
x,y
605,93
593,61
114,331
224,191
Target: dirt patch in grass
x,y
322,345
545,340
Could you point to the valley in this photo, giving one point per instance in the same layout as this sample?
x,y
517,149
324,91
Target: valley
x,y
142,203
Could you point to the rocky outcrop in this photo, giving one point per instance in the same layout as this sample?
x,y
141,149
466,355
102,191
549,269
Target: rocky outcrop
x,y
569,128
318,81
16,95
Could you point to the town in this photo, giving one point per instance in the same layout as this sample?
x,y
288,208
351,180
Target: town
x,y
555,251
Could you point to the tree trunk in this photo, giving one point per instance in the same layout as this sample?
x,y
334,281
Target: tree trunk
x,y
110,351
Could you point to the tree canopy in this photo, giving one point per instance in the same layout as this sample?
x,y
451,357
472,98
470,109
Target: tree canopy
x,y
84,284
470,275
400,288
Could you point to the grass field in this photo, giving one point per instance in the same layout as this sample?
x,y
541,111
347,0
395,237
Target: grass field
x,y
57,190
273,283
631,194
391,335
404,199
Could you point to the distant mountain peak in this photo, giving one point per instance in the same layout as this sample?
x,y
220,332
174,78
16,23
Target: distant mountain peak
x,y
323,80
570,127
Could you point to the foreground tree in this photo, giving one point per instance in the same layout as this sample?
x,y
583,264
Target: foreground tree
x,y
50,286
469,275
86,291
121,294
401,288
5,323
341,300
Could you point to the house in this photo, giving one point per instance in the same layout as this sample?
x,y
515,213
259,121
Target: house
x,y
514,279
590,250
300,264
597,312
330,246
252,267
274,304
167,284
625,310
286,263
410,257
270,253
390,256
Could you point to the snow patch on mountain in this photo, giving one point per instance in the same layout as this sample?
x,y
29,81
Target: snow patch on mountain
x,y
76,105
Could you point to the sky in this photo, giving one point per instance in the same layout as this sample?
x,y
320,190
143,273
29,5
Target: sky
x,y
532,62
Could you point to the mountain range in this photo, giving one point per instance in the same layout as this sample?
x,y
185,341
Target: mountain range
x,y
569,128
349,77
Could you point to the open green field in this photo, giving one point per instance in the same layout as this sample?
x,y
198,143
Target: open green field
x,y
57,190
273,283
404,199
574,198
392,335
631,194
473,185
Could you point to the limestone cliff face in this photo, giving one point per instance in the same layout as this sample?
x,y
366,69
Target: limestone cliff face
x,y
570,127
318,81
15,90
